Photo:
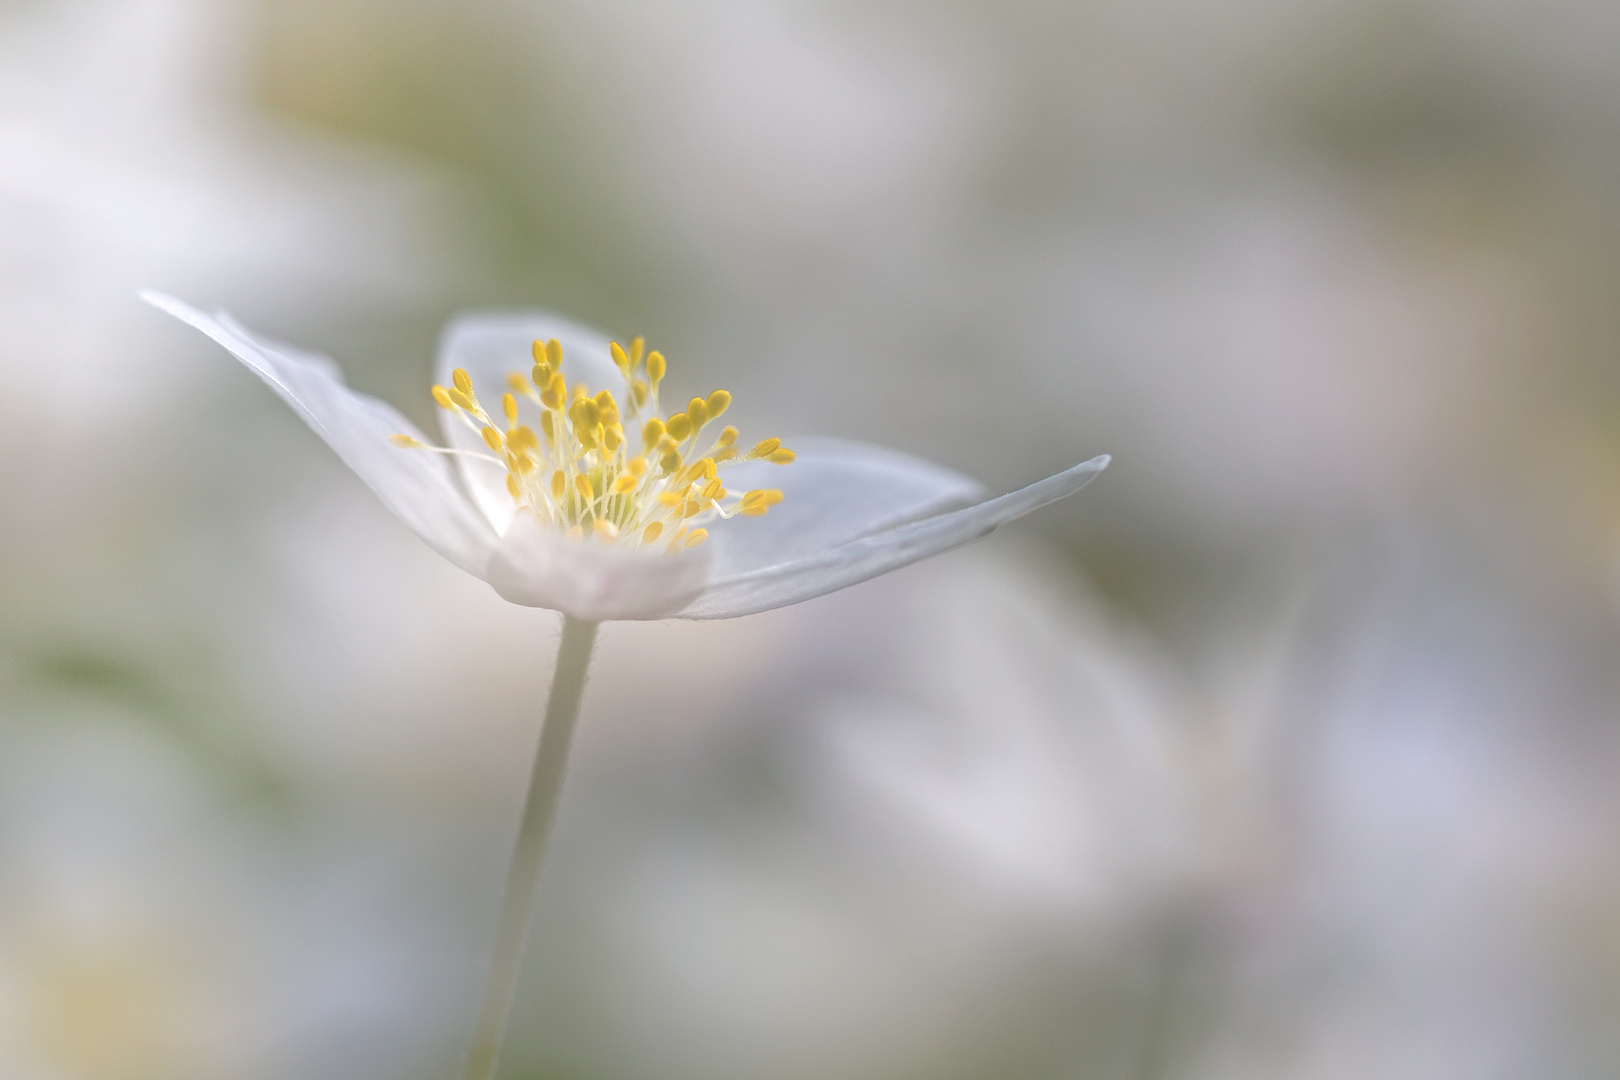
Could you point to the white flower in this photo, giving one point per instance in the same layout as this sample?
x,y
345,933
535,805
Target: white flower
x,y
603,512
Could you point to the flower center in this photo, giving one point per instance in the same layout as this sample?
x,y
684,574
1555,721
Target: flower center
x,y
578,472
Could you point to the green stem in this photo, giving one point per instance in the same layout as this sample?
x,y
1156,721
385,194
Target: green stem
x,y
545,785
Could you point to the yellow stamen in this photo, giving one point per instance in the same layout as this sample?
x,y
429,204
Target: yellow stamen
x,y
597,486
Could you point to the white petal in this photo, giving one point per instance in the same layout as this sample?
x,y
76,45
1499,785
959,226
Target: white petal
x,y
538,568
415,484
837,491
492,345
854,562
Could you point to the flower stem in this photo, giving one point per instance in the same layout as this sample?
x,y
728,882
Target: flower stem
x,y
545,785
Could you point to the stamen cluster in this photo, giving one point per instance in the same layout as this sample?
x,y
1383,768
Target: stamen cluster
x,y
578,473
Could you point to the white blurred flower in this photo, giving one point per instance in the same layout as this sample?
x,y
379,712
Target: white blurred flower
x,y
848,512
941,804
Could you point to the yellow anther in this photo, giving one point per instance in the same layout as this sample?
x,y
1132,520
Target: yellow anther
x,y
597,486
757,502
783,456
585,412
767,496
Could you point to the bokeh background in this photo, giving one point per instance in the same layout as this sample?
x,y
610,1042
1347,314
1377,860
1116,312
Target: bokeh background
x,y
1289,749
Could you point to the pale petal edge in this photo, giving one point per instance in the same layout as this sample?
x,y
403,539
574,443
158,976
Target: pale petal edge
x,y
859,560
416,486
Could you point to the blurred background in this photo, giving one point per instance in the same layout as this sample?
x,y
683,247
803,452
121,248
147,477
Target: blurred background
x,y
1286,750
